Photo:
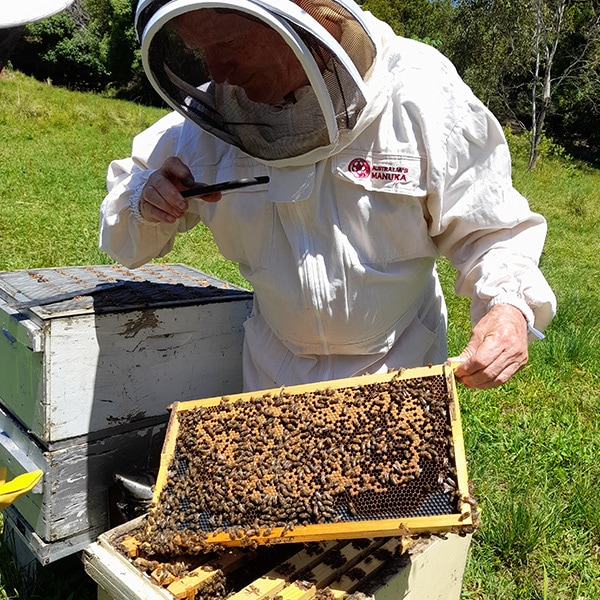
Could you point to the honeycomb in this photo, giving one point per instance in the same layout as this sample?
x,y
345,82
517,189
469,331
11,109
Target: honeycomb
x,y
287,459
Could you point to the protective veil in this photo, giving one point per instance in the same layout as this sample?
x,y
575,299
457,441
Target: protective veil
x,y
331,43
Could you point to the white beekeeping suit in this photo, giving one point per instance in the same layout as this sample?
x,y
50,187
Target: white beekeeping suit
x,y
383,160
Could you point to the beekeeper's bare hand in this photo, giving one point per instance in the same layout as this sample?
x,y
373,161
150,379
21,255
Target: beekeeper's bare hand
x,y
160,200
497,349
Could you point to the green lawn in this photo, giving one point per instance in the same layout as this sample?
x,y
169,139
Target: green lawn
x,y
533,445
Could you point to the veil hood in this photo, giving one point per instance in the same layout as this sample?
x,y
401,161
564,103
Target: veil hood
x,y
333,40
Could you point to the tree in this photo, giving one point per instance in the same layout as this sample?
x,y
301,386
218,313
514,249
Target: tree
x,y
489,45
572,26
424,20
90,46
532,62
55,49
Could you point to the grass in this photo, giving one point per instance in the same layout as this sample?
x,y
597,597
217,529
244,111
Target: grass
x,y
533,445
55,147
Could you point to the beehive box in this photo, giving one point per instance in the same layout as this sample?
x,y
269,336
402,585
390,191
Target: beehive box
x,y
85,350
90,359
72,497
412,568
364,457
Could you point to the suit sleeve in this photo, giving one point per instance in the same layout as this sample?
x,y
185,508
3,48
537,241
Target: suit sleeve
x,y
124,234
485,226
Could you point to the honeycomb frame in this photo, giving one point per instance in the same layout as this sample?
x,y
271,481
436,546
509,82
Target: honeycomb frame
x,y
315,515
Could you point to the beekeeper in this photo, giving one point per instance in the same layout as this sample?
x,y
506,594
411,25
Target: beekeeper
x,y
380,159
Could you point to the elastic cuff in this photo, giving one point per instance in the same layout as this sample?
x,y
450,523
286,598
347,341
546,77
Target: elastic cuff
x,y
134,203
519,303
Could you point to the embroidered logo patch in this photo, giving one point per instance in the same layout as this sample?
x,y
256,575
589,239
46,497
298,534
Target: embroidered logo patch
x,y
390,173
360,168
404,172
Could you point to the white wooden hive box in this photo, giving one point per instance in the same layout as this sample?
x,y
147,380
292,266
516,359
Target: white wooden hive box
x,y
378,569
85,350
70,507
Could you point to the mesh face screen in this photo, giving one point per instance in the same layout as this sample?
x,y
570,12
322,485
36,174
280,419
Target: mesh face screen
x,y
350,33
286,461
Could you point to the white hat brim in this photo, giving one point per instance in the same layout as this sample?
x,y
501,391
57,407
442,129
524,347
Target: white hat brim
x,y
14,13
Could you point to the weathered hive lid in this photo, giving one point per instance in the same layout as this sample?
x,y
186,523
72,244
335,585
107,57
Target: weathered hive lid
x,y
57,292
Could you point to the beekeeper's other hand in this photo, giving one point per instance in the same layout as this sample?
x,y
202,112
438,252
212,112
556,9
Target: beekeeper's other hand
x,y
13,489
160,200
498,348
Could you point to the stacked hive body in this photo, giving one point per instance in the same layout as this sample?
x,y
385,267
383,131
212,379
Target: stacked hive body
x,y
357,458
384,568
90,358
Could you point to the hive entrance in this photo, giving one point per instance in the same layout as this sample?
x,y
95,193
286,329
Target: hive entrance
x,y
361,457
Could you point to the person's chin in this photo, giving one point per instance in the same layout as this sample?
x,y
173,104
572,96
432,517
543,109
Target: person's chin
x,y
261,96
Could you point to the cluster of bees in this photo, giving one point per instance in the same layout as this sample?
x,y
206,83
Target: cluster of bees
x,y
311,568
277,460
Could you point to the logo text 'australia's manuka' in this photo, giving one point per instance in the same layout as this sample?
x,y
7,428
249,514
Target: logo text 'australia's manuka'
x,y
389,173
362,169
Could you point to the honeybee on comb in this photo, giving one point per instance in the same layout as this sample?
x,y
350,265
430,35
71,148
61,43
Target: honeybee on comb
x,y
324,460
